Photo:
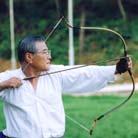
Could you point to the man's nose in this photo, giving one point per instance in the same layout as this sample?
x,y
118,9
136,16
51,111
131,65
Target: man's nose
x,y
49,57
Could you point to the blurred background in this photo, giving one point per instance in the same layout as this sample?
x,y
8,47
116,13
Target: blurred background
x,y
39,17
19,18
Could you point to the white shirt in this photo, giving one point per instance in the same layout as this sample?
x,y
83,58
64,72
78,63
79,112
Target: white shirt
x,y
40,113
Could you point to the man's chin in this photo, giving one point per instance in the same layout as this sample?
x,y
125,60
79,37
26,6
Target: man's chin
x,y
46,68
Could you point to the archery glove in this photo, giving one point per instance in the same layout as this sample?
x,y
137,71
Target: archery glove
x,y
122,65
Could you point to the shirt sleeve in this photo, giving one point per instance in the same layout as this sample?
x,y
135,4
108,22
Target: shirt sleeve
x,y
3,76
87,79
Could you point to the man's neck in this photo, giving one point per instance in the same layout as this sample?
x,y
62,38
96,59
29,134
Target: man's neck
x,y
29,71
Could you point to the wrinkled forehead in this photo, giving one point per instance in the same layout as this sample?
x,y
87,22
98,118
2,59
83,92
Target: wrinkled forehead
x,y
40,46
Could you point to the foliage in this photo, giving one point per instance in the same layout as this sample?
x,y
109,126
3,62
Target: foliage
x,y
39,17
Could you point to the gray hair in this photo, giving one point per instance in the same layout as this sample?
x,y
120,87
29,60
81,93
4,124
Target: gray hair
x,y
28,45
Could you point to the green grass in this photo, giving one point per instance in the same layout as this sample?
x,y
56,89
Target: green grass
x,y
2,122
120,124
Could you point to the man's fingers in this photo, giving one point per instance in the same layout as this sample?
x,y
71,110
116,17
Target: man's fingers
x,y
123,65
14,82
129,61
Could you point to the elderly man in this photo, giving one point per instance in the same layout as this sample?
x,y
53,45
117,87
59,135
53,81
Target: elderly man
x,y
33,107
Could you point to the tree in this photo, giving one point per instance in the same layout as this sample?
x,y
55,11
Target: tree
x,y
122,10
82,32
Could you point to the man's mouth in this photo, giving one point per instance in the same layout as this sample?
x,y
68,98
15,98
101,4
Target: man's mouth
x,y
48,62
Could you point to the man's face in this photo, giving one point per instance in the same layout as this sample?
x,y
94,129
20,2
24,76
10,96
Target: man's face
x,y
41,59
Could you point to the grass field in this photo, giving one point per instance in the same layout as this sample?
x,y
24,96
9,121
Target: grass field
x,y
121,124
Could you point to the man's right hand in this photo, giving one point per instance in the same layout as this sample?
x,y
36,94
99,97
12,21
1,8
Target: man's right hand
x,y
13,82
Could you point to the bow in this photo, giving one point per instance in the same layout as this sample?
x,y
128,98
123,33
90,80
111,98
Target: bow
x,y
129,70
125,56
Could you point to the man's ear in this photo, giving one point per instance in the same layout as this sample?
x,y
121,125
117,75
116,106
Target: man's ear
x,y
28,57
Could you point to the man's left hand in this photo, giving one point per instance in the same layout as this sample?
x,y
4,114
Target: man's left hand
x,y
123,65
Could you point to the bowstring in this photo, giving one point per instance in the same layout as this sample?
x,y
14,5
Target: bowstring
x,y
54,28
78,123
27,78
125,55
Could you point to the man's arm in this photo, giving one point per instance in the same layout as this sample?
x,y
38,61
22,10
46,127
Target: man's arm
x,y
13,82
93,78
87,79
